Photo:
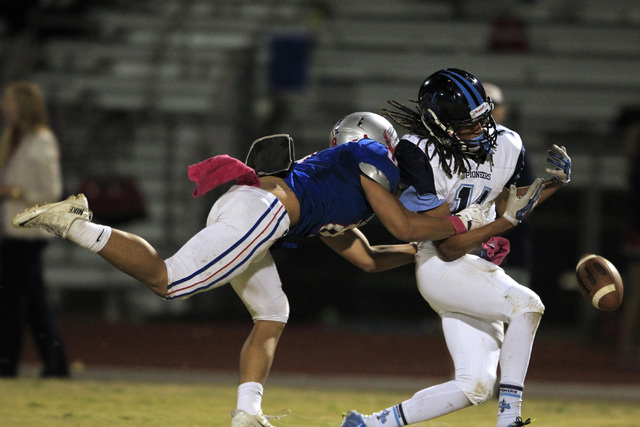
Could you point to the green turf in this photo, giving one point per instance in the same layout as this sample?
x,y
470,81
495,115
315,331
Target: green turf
x,y
51,403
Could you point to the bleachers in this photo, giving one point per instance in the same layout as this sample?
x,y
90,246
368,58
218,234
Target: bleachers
x,y
535,69
576,73
178,64
170,80
581,40
414,37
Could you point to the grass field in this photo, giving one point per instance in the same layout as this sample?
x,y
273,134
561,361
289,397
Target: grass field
x,y
32,402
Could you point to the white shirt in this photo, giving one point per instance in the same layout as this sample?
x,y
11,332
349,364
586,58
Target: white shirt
x,y
34,167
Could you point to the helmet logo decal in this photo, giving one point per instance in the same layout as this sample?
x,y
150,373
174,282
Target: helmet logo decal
x,y
480,111
336,128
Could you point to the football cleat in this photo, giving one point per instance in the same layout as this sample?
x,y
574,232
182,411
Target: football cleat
x,y
57,217
240,418
519,423
353,419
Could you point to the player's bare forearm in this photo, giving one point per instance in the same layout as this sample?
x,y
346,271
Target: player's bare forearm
x,y
355,248
404,225
454,247
550,188
388,257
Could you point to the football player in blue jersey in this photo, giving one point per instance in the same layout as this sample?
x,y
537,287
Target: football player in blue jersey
x,y
327,194
469,159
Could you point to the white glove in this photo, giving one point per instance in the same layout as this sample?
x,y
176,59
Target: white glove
x,y
518,207
475,215
559,165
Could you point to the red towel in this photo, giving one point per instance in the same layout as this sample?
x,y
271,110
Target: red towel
x,y
495,249
218,170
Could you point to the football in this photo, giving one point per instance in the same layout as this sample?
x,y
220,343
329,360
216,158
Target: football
x,y
599,282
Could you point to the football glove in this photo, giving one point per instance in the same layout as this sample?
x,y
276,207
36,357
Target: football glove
x,y
475,215
559,165
518,207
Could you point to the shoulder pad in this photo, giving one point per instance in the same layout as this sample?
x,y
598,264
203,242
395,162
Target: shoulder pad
x,y
375,174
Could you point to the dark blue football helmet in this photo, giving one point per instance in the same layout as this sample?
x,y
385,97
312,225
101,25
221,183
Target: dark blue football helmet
x,y
452,98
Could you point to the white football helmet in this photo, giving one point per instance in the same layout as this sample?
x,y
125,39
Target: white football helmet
x,y
356,126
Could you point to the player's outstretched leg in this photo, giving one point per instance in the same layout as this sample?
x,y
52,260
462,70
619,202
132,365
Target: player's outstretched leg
x,y
71,219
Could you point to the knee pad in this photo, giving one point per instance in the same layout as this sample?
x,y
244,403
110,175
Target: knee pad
x,y
533,305
478,389
275,309
524,300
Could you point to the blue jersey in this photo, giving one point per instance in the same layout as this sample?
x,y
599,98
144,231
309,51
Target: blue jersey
x,y
327,185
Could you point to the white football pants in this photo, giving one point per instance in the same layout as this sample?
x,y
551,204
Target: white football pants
x,y
234,248
474,298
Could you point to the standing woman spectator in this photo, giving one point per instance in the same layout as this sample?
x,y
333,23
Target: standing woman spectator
x,y
30,173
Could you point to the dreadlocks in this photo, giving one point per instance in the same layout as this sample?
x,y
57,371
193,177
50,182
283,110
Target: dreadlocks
x,y
411,120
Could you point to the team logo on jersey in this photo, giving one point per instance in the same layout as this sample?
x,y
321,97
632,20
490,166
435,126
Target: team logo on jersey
x,y
478,174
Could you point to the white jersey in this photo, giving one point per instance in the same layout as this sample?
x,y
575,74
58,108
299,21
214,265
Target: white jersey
x,y
482,183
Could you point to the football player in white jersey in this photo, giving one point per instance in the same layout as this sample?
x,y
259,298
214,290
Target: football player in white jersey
x,y
468,160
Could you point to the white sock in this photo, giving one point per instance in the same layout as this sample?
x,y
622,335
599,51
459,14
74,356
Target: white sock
x,y
250,397
509,404
390,417
89,235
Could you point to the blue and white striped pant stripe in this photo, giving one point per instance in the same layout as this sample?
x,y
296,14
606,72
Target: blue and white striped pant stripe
x,y
242,225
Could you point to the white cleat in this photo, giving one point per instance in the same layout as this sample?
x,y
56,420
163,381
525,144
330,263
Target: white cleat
x,y
240,418
57,217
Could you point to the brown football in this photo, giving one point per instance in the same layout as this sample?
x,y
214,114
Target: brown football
x,y
599,282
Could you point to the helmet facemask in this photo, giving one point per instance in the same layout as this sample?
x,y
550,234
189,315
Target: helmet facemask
x,y
447,133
